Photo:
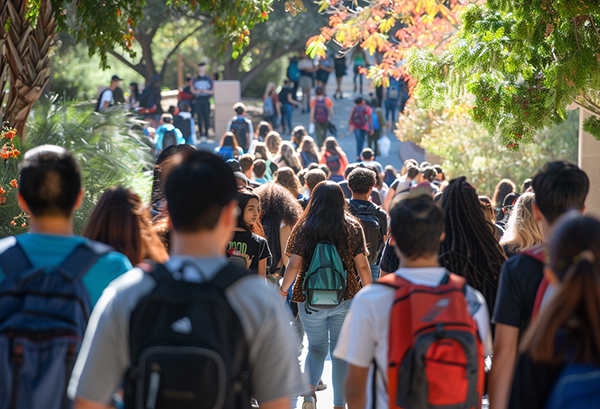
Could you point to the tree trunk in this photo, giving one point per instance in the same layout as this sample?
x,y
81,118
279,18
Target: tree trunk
x,y
27,56
258,68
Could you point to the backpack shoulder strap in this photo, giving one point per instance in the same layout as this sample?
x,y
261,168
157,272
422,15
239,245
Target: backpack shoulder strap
x,y
83,258
392,280
228,275
537,253
14,260
456,281
539,297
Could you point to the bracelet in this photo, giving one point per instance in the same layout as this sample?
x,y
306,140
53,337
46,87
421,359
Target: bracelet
x,y
282,292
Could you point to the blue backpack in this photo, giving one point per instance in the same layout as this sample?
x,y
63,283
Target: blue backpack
x,y
393,91
575,388
293,71
375,120
43,317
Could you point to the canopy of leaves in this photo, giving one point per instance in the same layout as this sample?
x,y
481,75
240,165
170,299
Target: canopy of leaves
x,y
524,61
468,149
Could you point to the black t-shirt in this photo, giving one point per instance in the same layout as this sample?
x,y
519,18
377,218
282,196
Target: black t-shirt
x,y
532,383
204,83
355,206
520,278
389,260
283,95
252,245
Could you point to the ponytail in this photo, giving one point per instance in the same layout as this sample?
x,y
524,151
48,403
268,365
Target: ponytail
x,y
573,311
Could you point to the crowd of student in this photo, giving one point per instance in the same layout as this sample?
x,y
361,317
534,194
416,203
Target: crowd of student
x,y
401,277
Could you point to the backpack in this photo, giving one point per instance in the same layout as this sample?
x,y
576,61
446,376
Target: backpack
x,y
146,100
539,253
169,138
576,387
293,71
271,227
367,214
321,111
227,152
187,345
240,129
325,280
238,258
435,356
375,120
393,91
97,108
268,108
184,125
334,162
359,119
43,317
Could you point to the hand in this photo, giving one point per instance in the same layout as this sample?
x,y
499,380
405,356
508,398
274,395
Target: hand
x,y
371,132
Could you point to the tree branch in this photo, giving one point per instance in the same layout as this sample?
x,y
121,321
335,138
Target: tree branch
x,y
139,67
250,75
181,41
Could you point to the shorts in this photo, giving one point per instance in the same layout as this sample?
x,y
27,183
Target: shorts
x,y
322,76
305,81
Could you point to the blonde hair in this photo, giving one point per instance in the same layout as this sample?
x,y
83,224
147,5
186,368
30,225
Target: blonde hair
x,y
522,230
273,141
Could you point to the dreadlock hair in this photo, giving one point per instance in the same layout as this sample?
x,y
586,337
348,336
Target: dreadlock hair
x,y
470,248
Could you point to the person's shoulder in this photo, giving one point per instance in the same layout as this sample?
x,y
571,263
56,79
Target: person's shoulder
x,y
520,262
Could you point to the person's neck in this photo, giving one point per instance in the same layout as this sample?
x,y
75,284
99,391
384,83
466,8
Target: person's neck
x,y
546,228
55,225
248,174
198,244
421,262
357,196
113,87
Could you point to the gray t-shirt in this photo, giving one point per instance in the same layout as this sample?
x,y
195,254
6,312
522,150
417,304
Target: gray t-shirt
x,y
104,355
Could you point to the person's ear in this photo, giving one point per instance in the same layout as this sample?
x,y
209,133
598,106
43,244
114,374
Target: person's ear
x,y
23,204
583,209
229,215
392,241
551,277
443,236
79,200
537,214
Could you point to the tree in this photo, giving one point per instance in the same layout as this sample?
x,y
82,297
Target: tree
x,y
28,27
525,62
468,149
390,28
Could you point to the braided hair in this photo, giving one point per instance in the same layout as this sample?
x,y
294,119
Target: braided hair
x,y
470,248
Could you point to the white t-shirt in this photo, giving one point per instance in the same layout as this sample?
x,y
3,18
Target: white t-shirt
x,y
364,335
107,96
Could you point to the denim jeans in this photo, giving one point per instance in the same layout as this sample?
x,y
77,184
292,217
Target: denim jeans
x,y
375,272
286,116
390,111
322,329
360,135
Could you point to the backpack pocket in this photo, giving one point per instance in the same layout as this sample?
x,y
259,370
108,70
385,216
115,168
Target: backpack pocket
x,y
180,377
325,288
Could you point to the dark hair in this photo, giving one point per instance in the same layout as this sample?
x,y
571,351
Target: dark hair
x,y
246,161
504,187
202,64
429,173
488,211
50,181
412,172
298,135
417,226
260,167
325,169
358,100
243,197
167,118
361,180
573,311
229,139
278,203
239,108
326,218
287,178
263,129
390,175
314,177
349,169
120,220
184,106
560,187
375,103
367,153
197,190
319,91
332,146
526,185
470,249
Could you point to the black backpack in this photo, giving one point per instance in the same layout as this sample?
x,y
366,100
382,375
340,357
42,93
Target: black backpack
x,y
169,138
334,162
240,129
187,345
367,214
146,98
184,125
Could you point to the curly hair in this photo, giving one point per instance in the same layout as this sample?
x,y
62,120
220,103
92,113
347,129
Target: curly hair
x,y
277,202
470,248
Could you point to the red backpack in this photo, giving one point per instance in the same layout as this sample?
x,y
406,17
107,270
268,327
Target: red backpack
x,y
359,119
321,111
435,355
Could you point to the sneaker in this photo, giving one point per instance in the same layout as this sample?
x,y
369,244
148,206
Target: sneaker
x,y
309,403
321,386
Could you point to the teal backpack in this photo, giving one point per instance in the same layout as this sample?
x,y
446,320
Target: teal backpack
x,y
325,280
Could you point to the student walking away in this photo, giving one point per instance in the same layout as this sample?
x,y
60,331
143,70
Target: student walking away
x,y
559,361
248,248
340,72
503,188
367,157
293,74
166,134
559,187
288,102
334,157
49,281
241,126
361,123
167,327
185,93
228,147
246,162
134,95
390,101
288,157
150,101
324,68
203,89
412,177
324,248
371,216
271,109
394,325
321,113
309,152
260,151
507,207
307,75
522,230
359,62
106,97
313,178
378,126
298,135
184,121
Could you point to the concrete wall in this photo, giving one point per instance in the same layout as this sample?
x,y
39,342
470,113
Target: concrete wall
x,y
589,161
227,93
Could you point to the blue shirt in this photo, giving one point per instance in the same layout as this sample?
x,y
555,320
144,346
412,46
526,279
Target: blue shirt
x,y
160,132
51,250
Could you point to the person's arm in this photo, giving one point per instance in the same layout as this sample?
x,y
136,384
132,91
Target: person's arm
x,y
364,270
370,118
291,271
291,100
250,129
311,117
88,404
503,363
350,124
356,386
388,199
281,403
284,235
262,267
105,105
